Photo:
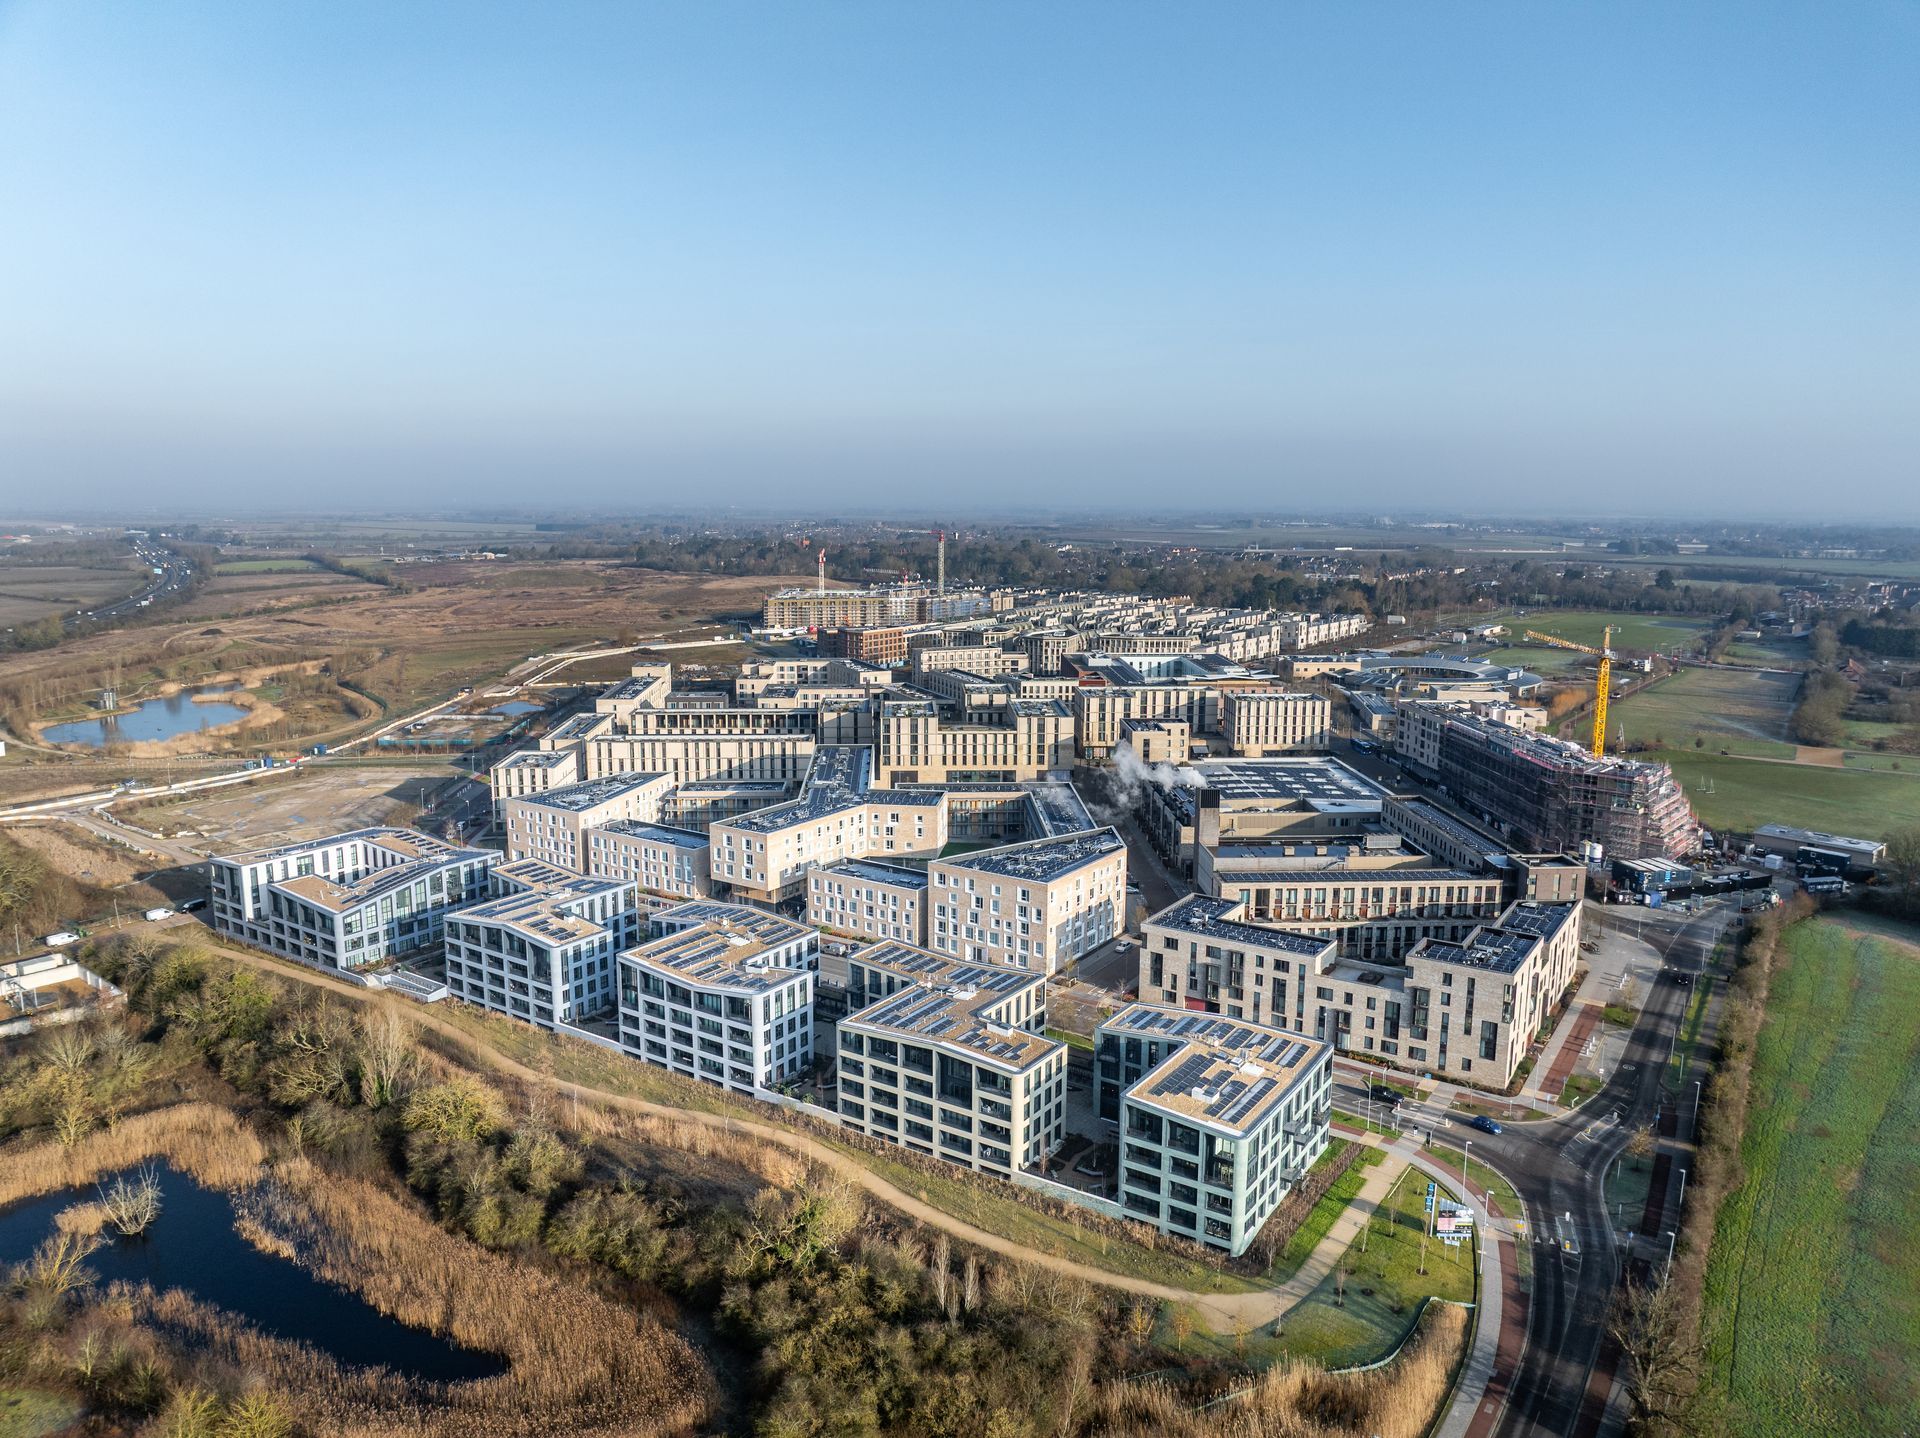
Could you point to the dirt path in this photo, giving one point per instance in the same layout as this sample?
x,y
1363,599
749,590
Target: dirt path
x,y
1222,1312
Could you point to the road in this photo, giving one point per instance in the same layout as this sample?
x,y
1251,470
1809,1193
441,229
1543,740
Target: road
x,y
168,583
1558,1167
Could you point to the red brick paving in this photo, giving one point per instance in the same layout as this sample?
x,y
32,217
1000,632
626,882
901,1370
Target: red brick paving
x,y
1584,1023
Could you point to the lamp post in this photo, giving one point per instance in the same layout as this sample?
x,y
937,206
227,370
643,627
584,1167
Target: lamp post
x,y
1668,1273
1696,1108
1683,1188
1466,1147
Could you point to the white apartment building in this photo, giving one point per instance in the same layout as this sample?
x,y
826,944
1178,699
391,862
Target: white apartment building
x,y
347,901
721,993
1217,1118
951,1059
552,826
870,899
1260,723
659,858
1037,905
543,947
1030,739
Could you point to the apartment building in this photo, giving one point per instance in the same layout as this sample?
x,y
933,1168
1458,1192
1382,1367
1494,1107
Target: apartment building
x,y
349,901
533,771
870,899
690,745
848,608
542,947
722,994
1468,1006
951,1059
763,857
978,659
1217,1118
658,858
1259,723
552,826
1036,905
1029,739
885,645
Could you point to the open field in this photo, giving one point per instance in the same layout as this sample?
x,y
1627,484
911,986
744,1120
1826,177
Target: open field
x,y
1551,663
1774,651
462,623
1736,793
1813,1282
265,566
1634,633
286,810
33,591
1744,713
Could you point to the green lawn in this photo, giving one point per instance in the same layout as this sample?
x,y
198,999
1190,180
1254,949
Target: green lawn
x,y
1690,1025
1745,793
1813,1283
1384,1285
1773,651
1745,713
1636,633
1322,1216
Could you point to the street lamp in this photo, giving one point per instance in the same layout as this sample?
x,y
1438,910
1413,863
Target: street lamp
x,y
1466,1147
1696,1108
1683,1188
1671,1235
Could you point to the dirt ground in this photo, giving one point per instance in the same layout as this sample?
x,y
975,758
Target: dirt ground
x,y
84,857
330,801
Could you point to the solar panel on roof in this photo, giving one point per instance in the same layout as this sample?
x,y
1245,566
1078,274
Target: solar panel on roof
x,y
1245,1103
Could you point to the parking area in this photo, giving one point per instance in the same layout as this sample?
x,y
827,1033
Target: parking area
x,y
309,805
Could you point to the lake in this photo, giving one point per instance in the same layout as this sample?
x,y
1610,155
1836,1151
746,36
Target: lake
x,y
154,719
517,706
192,1246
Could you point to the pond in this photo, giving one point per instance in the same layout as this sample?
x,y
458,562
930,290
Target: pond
x,y
517,706
193,1246
154,719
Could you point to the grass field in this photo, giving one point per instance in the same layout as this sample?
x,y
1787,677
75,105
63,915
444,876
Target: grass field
x,y
1323,1215
33,591
33,1413
1775,651
1383,1285
1740,793
1744,713
1637,633
1813,1283
264,566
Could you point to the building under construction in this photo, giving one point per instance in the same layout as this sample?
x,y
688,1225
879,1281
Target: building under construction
x,y
1554,796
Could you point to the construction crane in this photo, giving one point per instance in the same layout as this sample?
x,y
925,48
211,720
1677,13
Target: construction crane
x,y
1602,690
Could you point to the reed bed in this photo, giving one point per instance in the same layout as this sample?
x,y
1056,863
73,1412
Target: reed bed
x,y
578,1363
201,1139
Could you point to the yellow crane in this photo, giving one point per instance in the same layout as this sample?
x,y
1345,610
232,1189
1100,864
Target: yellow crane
x,y
1602,691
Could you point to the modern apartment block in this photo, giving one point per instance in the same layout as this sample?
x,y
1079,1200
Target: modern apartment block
x,y
1025,739
721,993
870,899
814,608
1217,1118
1037,905
1259,723
1467,1006
542,948
951,1059
1551,795
348,901
552,826
659,858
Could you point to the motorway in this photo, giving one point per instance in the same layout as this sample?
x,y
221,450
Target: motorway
x,y
170,581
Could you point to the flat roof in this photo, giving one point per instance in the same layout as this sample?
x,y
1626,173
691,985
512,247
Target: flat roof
x,y
1228,1074
874,872
1502,946
543,910
659,833
923,966
1816,839
593,792
718,955
958,1016
1041,860
1208,917
410,843
1308,778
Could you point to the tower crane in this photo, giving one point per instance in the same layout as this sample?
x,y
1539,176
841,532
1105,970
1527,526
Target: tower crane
x,y
1602,691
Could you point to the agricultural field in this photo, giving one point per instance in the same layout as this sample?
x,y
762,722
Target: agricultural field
x,y
1813,1282
1743,793
1739,712
1772,651
265,566
1634,633
33,591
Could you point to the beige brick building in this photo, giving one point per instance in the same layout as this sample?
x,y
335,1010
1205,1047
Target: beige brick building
x,y
1038,905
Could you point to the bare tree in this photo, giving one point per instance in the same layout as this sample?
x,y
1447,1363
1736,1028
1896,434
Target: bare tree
x,y
1662,1356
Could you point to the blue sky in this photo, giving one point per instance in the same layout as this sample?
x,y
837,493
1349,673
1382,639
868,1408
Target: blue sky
x,y
1481,256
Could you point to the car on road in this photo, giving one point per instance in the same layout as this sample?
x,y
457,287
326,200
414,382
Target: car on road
x,y
60,939
1484,1124
1685,980
153,915
1120,946
191,904
1384,1093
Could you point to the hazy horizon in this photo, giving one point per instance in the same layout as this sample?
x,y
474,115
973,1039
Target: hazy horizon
x,y
959,259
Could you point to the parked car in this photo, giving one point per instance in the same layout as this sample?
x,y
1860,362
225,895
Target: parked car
x,y
153,914
1383,1093
191,904
1484,1124
61,939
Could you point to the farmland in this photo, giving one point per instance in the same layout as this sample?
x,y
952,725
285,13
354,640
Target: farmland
x,y
1737,793
1813,1282
33,591
1742,713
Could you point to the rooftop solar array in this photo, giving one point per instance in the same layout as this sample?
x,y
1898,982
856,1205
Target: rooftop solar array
x,y
959,1017
1504,945
660,833
1223,1071
593,792
1205,916
1042,860
874,872
719,957
922,966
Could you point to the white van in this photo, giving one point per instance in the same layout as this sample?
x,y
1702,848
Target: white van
x,y
152,914
61,939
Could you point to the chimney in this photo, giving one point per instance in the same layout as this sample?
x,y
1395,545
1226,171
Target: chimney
x,y
940,583
823,572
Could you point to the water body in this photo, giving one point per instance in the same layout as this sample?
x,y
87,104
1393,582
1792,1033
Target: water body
x,y
517,706
192,1246
154,719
